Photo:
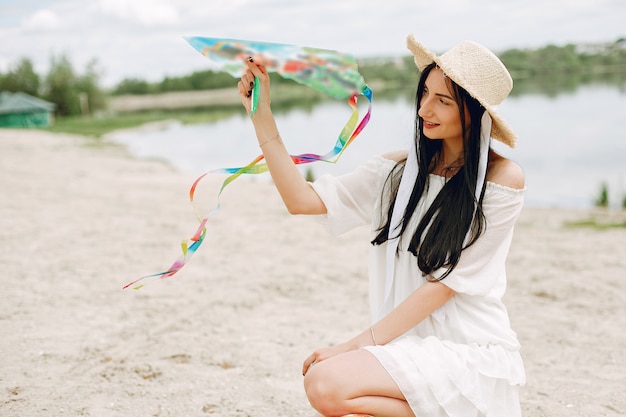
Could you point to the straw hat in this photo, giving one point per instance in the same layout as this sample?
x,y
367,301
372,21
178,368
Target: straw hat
x,y
477,70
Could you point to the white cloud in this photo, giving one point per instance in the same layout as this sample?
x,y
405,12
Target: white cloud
x,y
41,21
148,13
143,38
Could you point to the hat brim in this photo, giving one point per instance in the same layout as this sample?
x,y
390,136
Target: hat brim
x,y
423,57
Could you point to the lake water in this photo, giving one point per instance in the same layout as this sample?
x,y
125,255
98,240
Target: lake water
x,y
568,146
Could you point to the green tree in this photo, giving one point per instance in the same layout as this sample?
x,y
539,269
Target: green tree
x,y
603,198
175,84
22,77
73,94
87,85
207,80
60,86
132,86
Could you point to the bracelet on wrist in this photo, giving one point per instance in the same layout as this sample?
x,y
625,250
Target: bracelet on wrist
x,y
270,140
372,333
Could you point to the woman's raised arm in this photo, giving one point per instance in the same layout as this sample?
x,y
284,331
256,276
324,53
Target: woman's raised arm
x,y
299,197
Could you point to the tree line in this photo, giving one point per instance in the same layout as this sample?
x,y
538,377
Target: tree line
x,y
566,60
548,61
65,87
73,93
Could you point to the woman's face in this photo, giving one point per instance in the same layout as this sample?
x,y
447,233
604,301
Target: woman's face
x,y
438,109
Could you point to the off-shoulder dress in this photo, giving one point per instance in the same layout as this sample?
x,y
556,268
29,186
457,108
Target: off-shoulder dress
x,y
464,359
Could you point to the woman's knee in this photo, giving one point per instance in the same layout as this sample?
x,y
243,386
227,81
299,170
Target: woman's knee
x,y
323,391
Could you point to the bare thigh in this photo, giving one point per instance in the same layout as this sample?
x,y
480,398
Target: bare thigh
x,y
355,382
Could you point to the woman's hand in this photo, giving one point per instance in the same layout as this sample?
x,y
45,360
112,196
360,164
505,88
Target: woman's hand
x,y
254,69
324,353
365,338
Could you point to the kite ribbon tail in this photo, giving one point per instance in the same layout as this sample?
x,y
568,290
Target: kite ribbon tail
x,y
252,167
191,245
188,251
367,92
351,130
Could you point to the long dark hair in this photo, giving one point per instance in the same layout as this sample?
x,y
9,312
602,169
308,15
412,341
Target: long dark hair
x,y
442,233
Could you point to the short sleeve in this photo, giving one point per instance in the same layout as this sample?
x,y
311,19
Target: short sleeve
x,y
481,267
350,199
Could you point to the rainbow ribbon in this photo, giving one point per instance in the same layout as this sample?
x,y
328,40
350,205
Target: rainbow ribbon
x,y
190,246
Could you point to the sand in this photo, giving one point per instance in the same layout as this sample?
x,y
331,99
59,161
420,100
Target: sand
x,y
227,335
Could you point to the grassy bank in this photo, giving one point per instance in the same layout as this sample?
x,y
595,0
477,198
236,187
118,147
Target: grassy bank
x,y
97,126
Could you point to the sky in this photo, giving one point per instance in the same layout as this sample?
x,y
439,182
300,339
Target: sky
x,y
144,38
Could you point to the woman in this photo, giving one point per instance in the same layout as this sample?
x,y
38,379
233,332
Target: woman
x,y
442,217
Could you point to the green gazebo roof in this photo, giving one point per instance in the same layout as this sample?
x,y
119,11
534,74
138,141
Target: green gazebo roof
x,y
22,103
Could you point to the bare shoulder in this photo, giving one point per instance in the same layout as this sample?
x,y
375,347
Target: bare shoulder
x,y
505,172
397,156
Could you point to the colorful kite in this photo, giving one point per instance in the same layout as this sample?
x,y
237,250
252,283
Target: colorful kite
x,y
333,73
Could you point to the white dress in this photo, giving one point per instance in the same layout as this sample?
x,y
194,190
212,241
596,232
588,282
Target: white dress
x,y
463,360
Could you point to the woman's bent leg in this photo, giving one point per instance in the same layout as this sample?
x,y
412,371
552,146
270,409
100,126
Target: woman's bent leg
x,y
354,382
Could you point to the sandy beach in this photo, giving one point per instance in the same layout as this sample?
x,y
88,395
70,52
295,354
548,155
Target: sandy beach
x,y
226,336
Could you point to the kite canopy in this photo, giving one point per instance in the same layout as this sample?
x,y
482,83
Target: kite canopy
x,y
334,73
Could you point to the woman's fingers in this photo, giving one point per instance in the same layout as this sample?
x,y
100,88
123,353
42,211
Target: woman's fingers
x,y
254,69
243,95
247,83
257,70
245,86
324,353
316,357
308,363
